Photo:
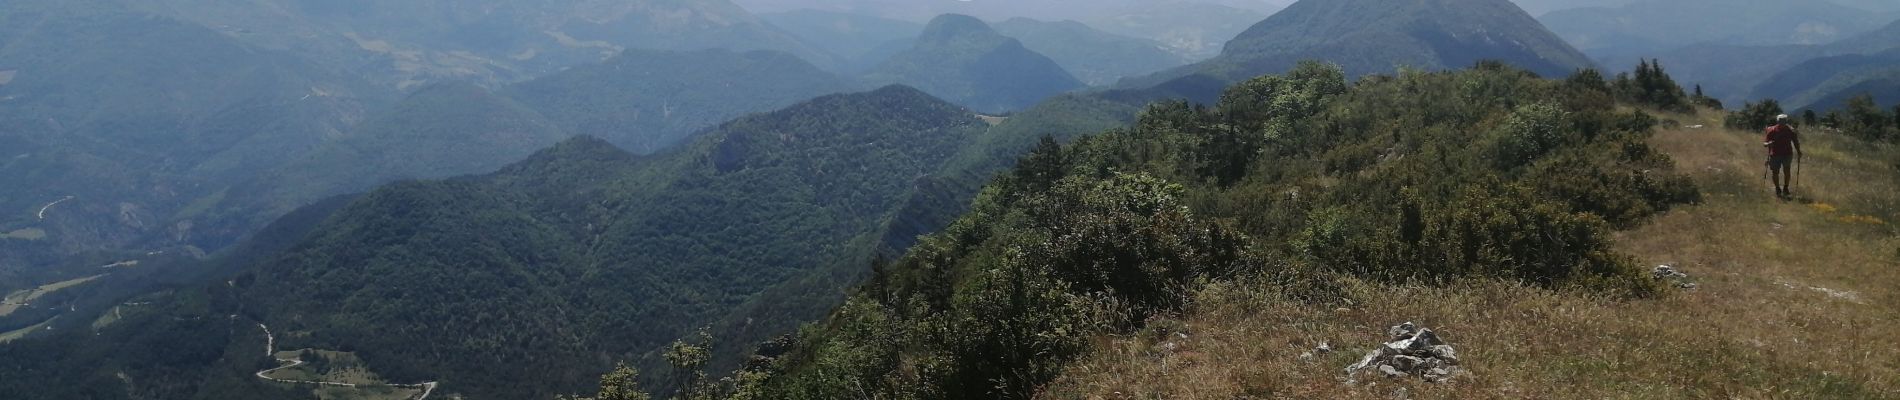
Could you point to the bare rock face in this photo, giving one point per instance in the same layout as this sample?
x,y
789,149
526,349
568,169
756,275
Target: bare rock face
x,y
1411,351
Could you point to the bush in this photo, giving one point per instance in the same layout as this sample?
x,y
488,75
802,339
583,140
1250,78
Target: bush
x,y
1754,116
1529,133
1505,231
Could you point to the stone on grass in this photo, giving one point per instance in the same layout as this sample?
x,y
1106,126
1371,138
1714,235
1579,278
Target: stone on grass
x,y
1676,277
1412,351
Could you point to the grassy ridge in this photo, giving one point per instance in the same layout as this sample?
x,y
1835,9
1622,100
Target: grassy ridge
x,y
1793,299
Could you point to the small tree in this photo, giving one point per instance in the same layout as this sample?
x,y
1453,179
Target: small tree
x,y
1808,118
1652,86
623,383
689,363
1754,116
1864,119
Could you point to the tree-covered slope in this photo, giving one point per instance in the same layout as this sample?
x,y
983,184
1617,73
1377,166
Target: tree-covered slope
x,y
582,254
1094,56
963,60
1374,36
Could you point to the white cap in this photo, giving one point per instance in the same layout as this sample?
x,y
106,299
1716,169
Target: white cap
x,y
1782,117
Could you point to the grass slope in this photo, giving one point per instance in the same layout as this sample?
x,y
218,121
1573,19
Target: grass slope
x,y
1794,301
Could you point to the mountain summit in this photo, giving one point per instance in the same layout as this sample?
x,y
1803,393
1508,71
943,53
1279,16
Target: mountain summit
x,y
961,59
1377,36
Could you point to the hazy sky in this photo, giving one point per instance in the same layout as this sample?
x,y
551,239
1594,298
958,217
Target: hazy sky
x,y
1539,7
1062,9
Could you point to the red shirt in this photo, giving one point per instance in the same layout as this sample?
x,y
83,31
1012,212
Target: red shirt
x,y
1781,140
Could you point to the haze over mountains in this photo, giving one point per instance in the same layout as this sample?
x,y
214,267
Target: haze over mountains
x,y
1369,36
507,198
1648,28
961,59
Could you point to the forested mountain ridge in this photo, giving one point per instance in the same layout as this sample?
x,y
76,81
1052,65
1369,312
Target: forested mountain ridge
x,y
1373,36
963,60
585,253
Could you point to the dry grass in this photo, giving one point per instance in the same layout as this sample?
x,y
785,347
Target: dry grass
x,y
1797,299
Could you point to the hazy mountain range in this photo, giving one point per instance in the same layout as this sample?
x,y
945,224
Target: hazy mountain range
x,y
868,198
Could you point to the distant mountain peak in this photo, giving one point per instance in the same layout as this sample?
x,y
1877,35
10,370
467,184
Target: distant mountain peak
x,y
965,60
1379,36
950,27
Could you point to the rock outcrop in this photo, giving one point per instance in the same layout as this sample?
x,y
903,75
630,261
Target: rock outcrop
x,y
1412,351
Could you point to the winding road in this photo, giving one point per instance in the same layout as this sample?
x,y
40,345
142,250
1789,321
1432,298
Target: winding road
x,y
270,350
50,205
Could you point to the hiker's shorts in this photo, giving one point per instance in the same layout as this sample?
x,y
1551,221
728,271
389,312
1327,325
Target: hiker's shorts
x,y
1778,163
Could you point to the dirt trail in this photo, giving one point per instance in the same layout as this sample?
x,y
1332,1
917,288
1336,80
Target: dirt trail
x,y
270,350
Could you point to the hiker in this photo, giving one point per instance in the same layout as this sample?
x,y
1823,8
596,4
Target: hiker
x,y
1784,147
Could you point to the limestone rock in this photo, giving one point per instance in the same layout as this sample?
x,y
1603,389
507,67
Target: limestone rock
x,y
1676,277
1412,351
